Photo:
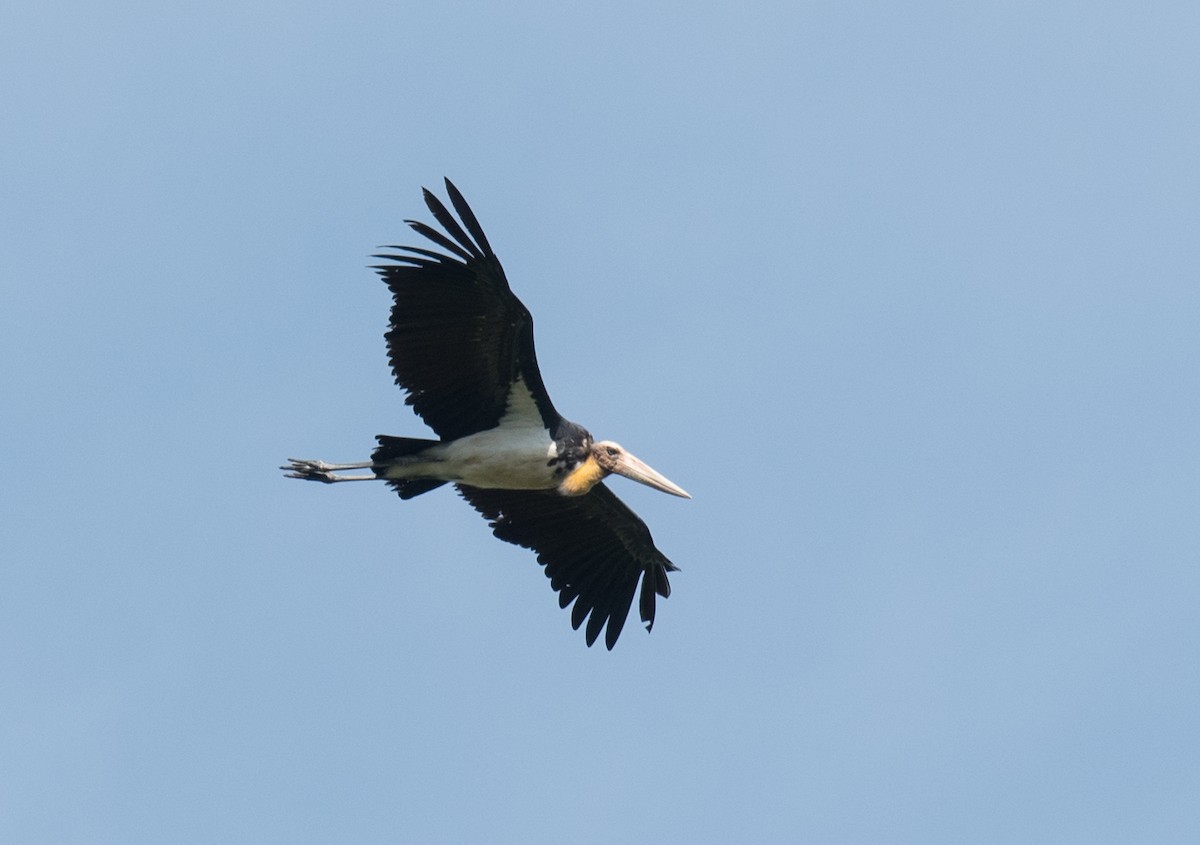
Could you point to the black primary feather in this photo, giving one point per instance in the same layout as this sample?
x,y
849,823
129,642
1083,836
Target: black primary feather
x,y
459,337
593,547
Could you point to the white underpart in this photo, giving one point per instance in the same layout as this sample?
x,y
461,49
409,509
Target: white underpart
x,y
515,455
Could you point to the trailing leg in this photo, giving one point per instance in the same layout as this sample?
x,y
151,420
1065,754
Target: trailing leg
x,y
321,471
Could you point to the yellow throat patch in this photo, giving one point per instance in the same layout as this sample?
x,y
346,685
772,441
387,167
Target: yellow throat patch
x,y
581,479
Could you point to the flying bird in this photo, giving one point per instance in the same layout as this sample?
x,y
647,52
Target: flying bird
x,y
461,346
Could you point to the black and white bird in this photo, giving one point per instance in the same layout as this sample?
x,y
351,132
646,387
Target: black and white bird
x,y
461,346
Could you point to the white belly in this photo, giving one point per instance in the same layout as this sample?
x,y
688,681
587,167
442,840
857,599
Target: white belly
x,y
515,455
501,458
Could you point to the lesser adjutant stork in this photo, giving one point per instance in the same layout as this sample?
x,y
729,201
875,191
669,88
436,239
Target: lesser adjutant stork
x,y
461,346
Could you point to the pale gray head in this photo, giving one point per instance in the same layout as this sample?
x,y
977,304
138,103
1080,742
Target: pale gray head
x,y
613,458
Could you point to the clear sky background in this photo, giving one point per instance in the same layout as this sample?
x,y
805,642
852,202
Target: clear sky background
x,y
906,295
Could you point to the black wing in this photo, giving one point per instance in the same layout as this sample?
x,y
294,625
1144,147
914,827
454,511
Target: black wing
x,y
594,549
459,337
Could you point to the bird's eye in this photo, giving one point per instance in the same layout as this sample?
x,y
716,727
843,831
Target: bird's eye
x,y
612,451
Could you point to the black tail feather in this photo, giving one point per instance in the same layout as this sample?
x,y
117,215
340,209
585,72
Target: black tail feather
x,y
408,488
389,449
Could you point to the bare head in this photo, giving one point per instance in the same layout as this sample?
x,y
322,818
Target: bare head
x,y
613,458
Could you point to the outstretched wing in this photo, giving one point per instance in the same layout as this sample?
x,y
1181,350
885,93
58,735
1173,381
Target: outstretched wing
x,y
459,337
594,549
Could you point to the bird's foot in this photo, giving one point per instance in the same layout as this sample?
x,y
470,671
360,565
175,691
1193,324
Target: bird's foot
x,y
323,472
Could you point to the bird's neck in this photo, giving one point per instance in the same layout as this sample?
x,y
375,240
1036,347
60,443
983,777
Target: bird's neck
x,y
582,478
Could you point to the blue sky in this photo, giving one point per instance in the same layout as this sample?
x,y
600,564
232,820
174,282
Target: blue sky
x,y
905,296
